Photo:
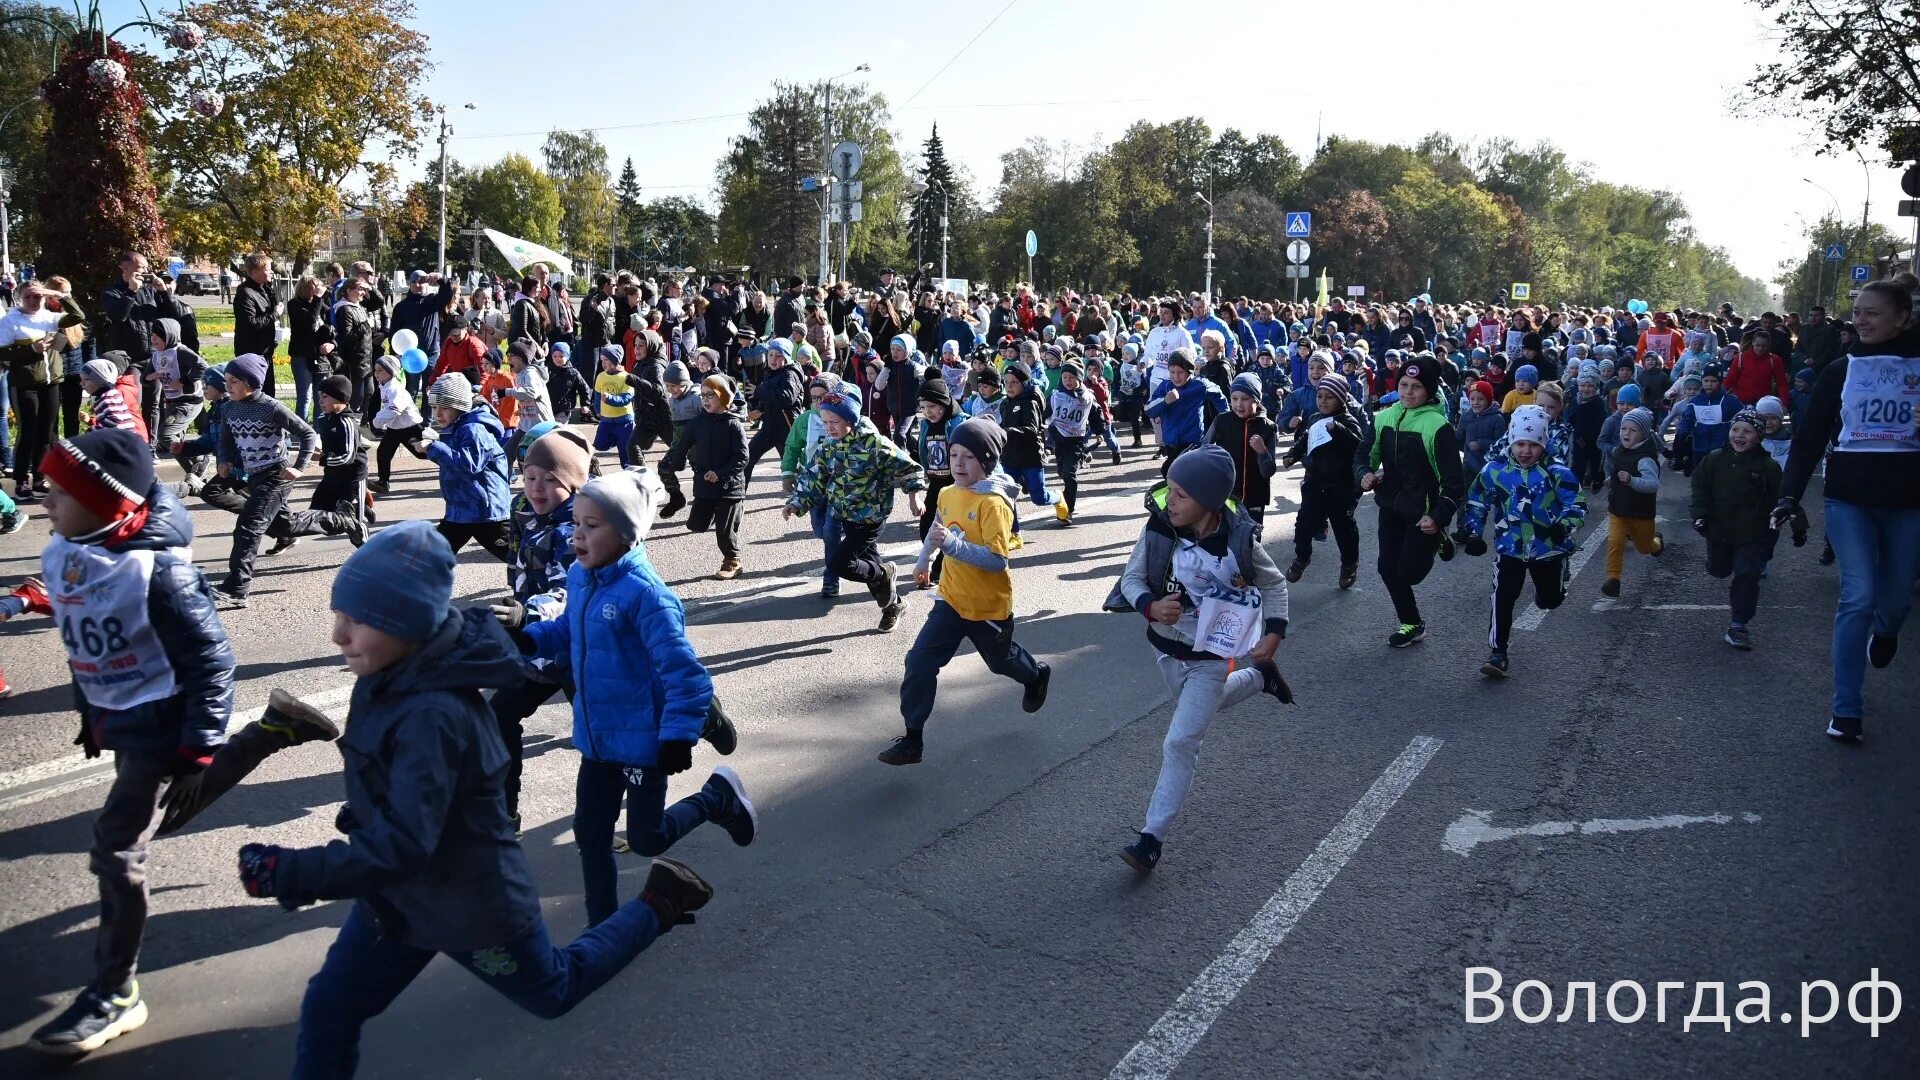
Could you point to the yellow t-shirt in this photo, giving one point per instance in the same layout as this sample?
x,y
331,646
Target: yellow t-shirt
x,y
975,594
608,383
1515,399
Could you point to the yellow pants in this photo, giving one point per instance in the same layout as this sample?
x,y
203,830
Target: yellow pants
x,y
1619,531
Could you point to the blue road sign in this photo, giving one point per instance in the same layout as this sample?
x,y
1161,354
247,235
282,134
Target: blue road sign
x,y
1033,244
1299,224
1862,273
1835,253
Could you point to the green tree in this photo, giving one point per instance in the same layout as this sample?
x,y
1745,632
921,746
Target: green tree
x,y
675,232
577,162
626,199
1810,279
512,196
1851,68
26,59
318,97
944,192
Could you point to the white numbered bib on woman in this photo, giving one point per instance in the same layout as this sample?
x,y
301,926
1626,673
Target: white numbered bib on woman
x,y
1879,404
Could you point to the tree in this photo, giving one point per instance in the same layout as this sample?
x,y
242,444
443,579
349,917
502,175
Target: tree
x,y
514,197
944,194
26,59
578,164
1811,279
626,201
1849,67
674,231
316,97
1262,165
99,198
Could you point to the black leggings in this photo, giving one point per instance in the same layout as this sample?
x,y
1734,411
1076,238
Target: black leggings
x,y
35,406
1320,510
392,440
764,440
1510,578
1067,452
70,395
495,536
1406,557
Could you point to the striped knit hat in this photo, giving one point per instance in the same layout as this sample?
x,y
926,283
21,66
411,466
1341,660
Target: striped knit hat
x,y
109,471
1335,385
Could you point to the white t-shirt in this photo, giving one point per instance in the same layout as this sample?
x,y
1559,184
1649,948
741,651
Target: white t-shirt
x,y
20,325
1161,341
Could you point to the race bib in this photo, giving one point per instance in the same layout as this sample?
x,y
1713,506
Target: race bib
x,y
1229,625
1878,404
1320,434
936,455
99,602
1516,339
1707,415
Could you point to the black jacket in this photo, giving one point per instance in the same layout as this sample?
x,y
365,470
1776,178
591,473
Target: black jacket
x,y
1863,478
1024,418
787,314
567,389
304,320
778,398
596,319
124,320
652,416
716,442
354,338
1253,471
1330,467
255,311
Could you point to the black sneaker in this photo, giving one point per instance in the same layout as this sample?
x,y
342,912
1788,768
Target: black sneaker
x,y
356,529
890,616
93,1020
719,732
296,721
1844,729
1407,635
1610,587
1826,554
12,523
379,487
1880,649
1496,665
741,822
1035,694
829,592
674,892
882,588
227,601
1143,854
1349,575
1294,570
676,502
904,751
1738,637
285,543
1446,550
1272,682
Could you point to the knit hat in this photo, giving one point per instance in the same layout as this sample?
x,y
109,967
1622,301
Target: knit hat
x,y
119,359
1528,424
785,348
1641,418
101,371
1018,369
722,388
451,391
534,434
902,340
1424,372
676,374
108,471
391,363
1630,394
989,377
936,391
1751,418
249,368
521,350
337,387
1205,474
1181,357
400,582
1526,373
559,350
1073,367
1335,385
843,407
1770,406
1246,383
562,453
628,498
618,354
1804,375
983,439
1713,371
1483,388
215,376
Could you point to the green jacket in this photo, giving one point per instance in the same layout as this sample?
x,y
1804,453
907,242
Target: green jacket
x,y
1735,493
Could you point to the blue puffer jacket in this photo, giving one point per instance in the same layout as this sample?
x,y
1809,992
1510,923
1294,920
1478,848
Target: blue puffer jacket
x,y
628,700
183,635
1183,423
473,468
430,848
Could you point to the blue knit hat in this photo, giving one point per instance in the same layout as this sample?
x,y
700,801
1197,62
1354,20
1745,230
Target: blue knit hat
x,y
1630,394
400,582
1527,373
249,368
843,407
1246,383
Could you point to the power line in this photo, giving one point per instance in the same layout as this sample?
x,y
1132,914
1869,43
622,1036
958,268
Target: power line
x,y
604,127
956,56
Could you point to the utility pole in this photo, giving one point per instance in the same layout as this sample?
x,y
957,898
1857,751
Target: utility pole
x,y
1209,201
6,236
945,205
446,130
826,174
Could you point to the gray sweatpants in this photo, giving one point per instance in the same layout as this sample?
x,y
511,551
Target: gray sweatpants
x,y
1200,689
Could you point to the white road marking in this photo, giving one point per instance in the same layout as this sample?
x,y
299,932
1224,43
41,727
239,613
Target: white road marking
x,y
1183,1025
1531,618
1472,829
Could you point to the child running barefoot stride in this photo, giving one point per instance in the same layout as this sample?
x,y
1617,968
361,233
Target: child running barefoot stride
x,y
429,857
1210,593
973,527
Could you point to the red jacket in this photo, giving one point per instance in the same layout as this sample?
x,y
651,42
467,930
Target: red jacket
x,y
459,355
1752,377
129,387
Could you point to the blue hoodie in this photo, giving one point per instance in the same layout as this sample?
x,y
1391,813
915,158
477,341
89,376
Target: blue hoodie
x,y
473,468
1183,422
1706,437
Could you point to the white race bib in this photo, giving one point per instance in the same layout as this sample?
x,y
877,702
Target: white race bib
x,y
99,602
1707,415
1227,621
1878,404
1320,434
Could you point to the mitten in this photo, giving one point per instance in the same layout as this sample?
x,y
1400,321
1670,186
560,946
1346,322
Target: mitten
x,y
511,613
258,862
675,757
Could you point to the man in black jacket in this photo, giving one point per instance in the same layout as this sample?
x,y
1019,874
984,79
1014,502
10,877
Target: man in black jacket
x,y
256,315
169,306
787,313
125,324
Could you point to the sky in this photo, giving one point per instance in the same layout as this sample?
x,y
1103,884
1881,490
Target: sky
x,y
1610,84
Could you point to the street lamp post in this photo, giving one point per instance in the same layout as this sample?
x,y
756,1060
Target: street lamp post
x,y
446,130
826,159
1203,198
1819,239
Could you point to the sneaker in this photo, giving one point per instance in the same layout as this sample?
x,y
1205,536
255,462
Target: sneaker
x,y
1496,665
1447,549
92,1021
882,588
829,592
379,487
740,822
1272,682
676,502
1295,570
227,601
904,751
285,543
1880,649
1844,729
1659,545
1116,457
890,616
24,494
1035,694
1826,554
1061,512
1407,634
12,523
674,892
1349,575
729,569
1738,638
719,732
356,529
1143,854
372,516
1610,587
296,721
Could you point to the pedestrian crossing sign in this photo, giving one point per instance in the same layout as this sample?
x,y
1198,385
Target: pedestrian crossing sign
x,y
1522,291
1299,224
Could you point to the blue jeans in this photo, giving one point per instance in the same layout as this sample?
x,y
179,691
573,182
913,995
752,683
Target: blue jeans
x,y
827,528
1878,551
940,637
651,830
366,970
1034,480
304,394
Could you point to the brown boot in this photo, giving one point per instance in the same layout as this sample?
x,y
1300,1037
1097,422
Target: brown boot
x,y
729,570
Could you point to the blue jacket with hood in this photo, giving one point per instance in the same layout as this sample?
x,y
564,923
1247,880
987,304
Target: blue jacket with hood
x,y
1183,423
473,468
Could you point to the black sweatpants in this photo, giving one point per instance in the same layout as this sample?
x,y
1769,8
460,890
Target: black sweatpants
x,y
1322,509
1510,579
858,559
1406,557
767,438
495,536
35,407
1068,450
266,500
723,517
391,440
337,499
1744,564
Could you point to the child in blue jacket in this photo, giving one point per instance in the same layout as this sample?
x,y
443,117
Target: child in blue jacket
x,y
641,696
469,446
1180,404
429,857
1701,422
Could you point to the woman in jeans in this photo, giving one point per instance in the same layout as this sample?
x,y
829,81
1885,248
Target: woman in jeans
x,y
1868,404
306,313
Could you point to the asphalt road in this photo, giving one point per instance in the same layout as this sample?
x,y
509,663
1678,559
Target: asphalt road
x,y
1318,904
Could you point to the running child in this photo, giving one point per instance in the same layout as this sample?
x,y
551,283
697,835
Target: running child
x,y
1180,406
110,407
616,405
1245,432
1328,444
1734,490
1481,426
1023,414
714,444
467,445
397,421
974,531
1633,490
253,440
936,428
1070,411
338,502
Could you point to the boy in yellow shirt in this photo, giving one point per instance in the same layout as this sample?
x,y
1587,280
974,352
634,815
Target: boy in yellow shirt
x,y
973,527
616,404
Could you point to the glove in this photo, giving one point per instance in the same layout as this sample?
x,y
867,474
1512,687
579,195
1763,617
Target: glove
x,y
1555,534
1799,525
1700,526
1474,545
675,757
1784,510
85,739
345,821
257,865
511,613
181,801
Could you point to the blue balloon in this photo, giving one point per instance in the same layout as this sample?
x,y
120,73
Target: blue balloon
x,y
413,361
1637,307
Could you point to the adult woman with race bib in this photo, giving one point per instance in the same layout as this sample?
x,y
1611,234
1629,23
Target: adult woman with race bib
x,y
1868,404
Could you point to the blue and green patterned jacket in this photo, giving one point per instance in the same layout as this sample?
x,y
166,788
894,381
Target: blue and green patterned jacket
x,y
855,476
1535,511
